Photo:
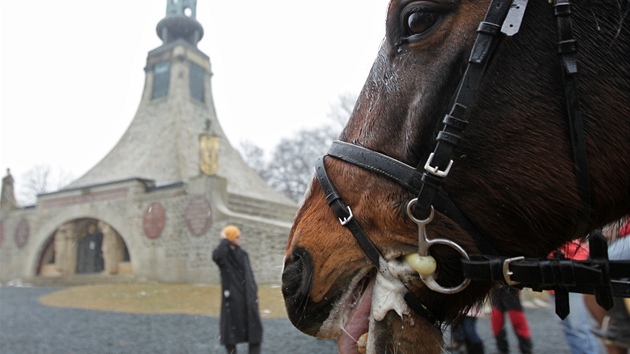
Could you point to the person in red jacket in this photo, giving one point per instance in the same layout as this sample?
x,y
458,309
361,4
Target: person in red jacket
x,y
625,229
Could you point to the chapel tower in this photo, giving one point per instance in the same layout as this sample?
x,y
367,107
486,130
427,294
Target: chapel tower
x,y
175,134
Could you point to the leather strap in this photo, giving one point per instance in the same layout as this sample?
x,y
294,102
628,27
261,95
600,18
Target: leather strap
x,y
448,139
397,171
410,179
598,275
344,213
546,274
567,50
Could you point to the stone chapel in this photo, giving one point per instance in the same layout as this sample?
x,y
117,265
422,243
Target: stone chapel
x,y
153,207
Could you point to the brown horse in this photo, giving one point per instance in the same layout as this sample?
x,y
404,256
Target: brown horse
x,y
512,175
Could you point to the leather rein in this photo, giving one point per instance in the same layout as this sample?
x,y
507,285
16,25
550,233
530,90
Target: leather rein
x,y
597,275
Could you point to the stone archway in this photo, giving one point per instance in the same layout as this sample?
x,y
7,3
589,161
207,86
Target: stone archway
x,y
84,246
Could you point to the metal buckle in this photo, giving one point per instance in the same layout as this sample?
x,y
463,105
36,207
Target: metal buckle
x,y
347,219
507,273
436,170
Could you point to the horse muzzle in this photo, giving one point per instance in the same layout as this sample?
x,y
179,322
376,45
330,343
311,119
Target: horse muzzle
x,y
297,275
365,314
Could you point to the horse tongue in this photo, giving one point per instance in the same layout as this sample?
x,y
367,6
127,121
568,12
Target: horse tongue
x,y
362,343
357,324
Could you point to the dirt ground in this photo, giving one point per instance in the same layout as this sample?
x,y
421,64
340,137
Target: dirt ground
x,y
155,298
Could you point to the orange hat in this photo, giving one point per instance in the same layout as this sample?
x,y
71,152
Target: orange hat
x,y
231,232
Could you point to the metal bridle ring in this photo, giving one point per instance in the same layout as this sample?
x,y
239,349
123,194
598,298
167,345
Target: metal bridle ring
x,y
424,243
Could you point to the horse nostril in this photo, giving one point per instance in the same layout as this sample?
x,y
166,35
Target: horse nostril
x,y
296,276
297,283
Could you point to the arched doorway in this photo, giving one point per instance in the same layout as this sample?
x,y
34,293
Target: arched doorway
x,y
84,246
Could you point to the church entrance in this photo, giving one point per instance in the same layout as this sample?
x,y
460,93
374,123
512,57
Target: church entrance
x,y
90,251
84,246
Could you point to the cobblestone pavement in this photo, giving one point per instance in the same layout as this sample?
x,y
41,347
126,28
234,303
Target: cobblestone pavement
x,y
28,327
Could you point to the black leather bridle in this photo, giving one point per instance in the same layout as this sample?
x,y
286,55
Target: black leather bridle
x,y
598,275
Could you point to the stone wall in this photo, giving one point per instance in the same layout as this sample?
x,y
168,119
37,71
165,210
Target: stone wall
x,y
169,232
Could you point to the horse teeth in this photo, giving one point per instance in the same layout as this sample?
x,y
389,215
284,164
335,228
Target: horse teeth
x,y
362,343
425,265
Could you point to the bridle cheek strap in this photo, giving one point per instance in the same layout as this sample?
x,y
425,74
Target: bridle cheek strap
x,y
411,179
439,163
344,213
567,50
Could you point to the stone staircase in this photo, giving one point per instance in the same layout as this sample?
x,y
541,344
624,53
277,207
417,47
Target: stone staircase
x,y
73,280
246,205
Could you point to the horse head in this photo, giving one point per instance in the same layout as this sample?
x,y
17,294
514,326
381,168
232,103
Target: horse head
x,y
512,177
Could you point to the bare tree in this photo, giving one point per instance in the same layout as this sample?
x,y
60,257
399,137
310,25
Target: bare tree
x,y
291,167
254,156
41,179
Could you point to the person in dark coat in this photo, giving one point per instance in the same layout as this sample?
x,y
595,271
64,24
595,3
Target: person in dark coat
x,y
240,319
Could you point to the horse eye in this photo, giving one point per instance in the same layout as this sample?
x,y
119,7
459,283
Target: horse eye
x,y
420,21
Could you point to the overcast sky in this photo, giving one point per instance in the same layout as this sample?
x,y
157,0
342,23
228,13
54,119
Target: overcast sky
x,y
71,72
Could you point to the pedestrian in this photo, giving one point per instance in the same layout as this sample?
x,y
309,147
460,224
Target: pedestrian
x,y
577,325
456,344
614,324
506,299
240,319
465,333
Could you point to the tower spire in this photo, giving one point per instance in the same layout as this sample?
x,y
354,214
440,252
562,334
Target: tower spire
x,y
180,23
175,135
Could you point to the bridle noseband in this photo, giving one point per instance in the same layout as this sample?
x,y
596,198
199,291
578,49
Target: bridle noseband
x,y
426,181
